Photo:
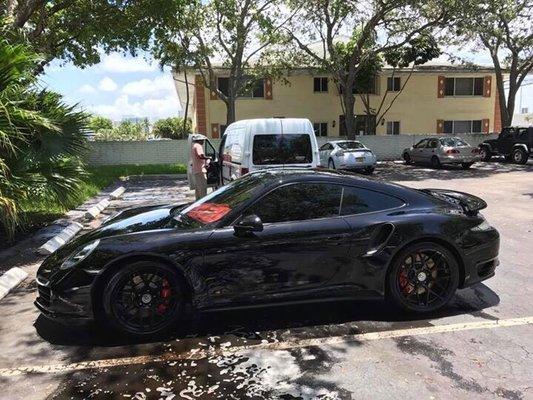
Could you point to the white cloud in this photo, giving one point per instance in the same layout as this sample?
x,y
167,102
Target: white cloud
x,y
107,85
117,63
152,108
149,87
87,89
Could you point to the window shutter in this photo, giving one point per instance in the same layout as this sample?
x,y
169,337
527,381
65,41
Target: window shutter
x,y
213,95
440,125
215,131
487,87
268,88
441,83
485,125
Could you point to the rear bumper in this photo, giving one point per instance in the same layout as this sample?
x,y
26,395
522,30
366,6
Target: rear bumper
x,y
459,159
481,261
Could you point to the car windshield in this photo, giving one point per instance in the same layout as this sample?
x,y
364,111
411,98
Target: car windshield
x,y
215,206
350,145
453,142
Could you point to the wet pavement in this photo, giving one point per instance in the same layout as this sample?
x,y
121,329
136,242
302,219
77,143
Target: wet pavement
x,y
478,347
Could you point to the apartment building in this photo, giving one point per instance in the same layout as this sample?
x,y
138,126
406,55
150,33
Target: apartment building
x,y
436,98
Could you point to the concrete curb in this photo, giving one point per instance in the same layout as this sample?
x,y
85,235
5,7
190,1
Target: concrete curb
x,y
117,193
60,239
10,280
94,211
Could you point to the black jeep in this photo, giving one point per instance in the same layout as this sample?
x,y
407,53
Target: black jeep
x,y
515,143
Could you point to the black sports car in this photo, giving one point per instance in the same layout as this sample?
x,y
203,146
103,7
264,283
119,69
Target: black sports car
x,y
269,237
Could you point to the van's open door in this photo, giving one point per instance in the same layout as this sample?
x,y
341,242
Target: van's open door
x,y
213,168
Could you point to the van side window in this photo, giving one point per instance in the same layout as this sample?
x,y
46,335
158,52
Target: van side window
x,y
233,146
282,149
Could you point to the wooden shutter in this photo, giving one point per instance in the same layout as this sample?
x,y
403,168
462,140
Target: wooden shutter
x,y
440,125
441,85
215,131
487,86
485,124
267,82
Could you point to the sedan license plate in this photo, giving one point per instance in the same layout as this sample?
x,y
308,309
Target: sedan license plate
x,y
359,159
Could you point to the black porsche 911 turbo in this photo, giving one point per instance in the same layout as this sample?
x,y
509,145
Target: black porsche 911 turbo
x,y
269,237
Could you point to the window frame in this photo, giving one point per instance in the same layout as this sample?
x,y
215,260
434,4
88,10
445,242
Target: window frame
x,y
320,126
321,80
453,132
393,124
394,87
473,94
251,91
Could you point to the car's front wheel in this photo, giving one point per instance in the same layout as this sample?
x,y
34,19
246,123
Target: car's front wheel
x,y
143,299
407,158
423,278
520,156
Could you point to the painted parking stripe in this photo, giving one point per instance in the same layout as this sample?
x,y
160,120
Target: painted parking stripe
x,y
198,354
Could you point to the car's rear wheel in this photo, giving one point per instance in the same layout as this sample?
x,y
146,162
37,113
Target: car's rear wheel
x,y
331,164
407,158
485,154
423,278
435,162
520,156
369,170
143,299
466,165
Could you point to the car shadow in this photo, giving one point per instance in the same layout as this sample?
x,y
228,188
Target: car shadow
x,y
312,320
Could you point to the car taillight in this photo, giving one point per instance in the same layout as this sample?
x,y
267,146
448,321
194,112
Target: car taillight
x,y
452,151
244,170
475,151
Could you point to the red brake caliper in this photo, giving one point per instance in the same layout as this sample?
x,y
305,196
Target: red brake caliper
x,y
165,294
404,282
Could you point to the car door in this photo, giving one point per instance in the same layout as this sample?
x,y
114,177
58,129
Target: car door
x,y
506,141
303,245
418,150
325,151
430,150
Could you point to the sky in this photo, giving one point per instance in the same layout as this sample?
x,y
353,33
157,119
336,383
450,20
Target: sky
x,y
125,86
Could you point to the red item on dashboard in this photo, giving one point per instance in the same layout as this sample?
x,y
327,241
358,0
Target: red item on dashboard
x,y
208,213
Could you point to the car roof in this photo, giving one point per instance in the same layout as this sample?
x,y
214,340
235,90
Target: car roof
x,y
274,125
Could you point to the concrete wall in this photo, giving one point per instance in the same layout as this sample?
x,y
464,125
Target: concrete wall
x,y
418,107
175,151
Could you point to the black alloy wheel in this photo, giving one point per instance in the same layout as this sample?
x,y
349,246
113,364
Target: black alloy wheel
x,y
424,278
435,162
143,299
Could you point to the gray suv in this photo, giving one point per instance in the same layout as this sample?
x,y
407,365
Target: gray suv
x,y
444,150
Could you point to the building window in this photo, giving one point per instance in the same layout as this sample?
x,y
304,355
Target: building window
x,y
366,86
393,127
462,126
320,85
321,128
394,84
256,90
464,87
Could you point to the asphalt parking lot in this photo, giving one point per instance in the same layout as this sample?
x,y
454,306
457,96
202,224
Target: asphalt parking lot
x,y
479,347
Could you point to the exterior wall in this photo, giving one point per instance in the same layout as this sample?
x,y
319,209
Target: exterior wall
x,y
388,147
418,107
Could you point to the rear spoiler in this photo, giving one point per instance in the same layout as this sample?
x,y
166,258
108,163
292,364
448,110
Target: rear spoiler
x,y
469,203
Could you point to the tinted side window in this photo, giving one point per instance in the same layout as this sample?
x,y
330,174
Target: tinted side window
x,y
282,149
298,202
358,201
421,144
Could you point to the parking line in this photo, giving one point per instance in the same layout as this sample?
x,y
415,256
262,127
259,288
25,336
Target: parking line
x,y
198,354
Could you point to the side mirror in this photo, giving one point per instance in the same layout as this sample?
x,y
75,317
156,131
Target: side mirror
x,y
248,224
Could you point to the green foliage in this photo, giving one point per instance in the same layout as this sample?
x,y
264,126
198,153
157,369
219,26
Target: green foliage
x,y
172,128
126,130
97,124
41,140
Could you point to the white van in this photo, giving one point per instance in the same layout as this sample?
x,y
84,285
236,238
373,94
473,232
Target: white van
x,y
253,144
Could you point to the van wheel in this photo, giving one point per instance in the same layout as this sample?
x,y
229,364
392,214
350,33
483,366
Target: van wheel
x,y
331,164
520,156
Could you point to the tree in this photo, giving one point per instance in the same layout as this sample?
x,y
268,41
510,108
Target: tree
x,y
41,139
504,29
97,124
172,128
79,30
340,36
232,32
126,130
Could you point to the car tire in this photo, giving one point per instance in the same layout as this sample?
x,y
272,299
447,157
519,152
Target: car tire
x,y
435,162
485,154
417,287
407,158
520,156
466,165
331,164
369,170
143,291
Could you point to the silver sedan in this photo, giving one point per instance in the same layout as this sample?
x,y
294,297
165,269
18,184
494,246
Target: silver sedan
x,y
444,150
347,154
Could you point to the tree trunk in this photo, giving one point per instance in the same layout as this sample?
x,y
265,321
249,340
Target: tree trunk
x,y
10,8
187,96
230,111
349,114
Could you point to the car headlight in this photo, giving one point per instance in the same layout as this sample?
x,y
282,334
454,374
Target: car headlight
x,y
484,226
79,256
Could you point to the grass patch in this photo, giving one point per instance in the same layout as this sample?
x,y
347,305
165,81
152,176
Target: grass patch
x,y
41,210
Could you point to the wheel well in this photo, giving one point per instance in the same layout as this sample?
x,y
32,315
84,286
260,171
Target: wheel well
x,y
520,146
111,268
441,242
